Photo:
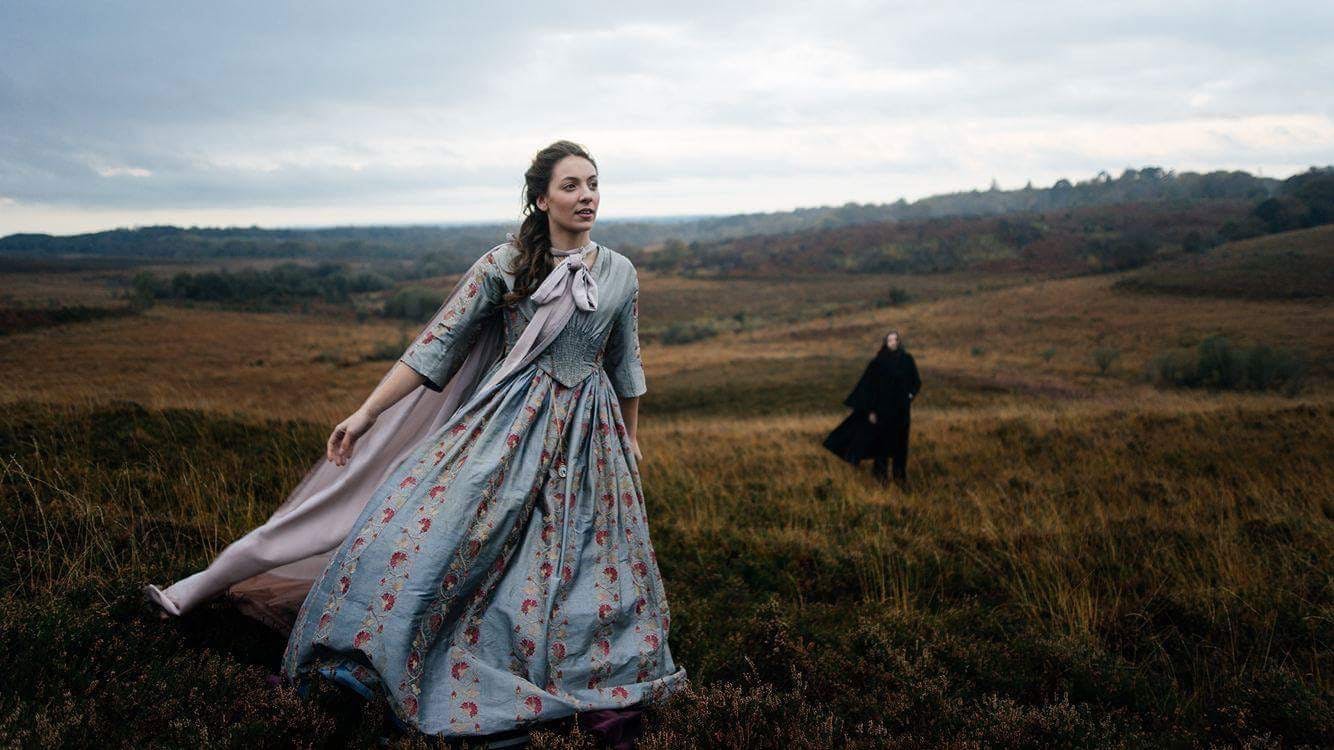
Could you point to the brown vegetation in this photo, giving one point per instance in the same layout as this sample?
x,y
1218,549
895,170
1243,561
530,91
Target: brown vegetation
x,y
1085,560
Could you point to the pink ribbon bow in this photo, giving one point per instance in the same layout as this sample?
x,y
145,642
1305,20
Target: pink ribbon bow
x,y
570,273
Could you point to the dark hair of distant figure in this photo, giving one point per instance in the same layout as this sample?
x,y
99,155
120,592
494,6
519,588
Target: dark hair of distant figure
x,y
534,260
884,345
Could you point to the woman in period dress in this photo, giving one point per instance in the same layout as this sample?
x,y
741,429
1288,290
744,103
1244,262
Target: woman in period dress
x,y
498,571
881,412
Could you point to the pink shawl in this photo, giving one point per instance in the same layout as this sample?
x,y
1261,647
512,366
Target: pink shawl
x,y
269,570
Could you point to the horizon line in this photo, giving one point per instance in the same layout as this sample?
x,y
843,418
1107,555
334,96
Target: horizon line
x,y
657,217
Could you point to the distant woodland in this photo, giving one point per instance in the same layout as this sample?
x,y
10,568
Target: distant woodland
x,y
452,248
1102,224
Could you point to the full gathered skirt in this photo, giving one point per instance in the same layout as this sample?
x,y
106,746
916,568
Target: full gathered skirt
x,y
502,574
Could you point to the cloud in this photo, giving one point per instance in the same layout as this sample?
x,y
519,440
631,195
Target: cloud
x,y
430,112
124,172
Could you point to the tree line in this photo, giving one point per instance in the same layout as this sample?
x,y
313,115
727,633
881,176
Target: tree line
x,y
457,246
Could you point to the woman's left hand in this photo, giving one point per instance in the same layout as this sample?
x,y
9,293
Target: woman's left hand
x,y
634,445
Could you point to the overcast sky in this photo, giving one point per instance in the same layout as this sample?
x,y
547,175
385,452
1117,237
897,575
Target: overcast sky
x,y
316,113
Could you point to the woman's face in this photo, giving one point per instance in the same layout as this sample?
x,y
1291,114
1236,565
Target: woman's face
x,y
892,341
571,200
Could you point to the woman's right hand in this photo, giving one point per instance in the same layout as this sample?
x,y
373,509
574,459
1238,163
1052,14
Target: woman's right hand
x,y
344,436
870,416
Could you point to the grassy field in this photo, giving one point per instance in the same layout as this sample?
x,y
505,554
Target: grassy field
x,y
1288,265
1084,560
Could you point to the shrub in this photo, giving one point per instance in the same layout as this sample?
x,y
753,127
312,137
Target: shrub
x,y
251,288
1215,363
684,333
895,297
413,303
1132,248
1104,357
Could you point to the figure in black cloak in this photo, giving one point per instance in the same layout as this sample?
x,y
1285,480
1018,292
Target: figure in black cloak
x,y
878,425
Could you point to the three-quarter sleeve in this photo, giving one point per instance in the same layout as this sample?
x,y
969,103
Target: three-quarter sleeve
x,y
439,351
622,359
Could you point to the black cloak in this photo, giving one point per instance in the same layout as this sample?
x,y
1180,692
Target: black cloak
x,y
887,387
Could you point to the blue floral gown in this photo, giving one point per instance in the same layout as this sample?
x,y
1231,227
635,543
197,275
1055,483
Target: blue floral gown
x,y
503,573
